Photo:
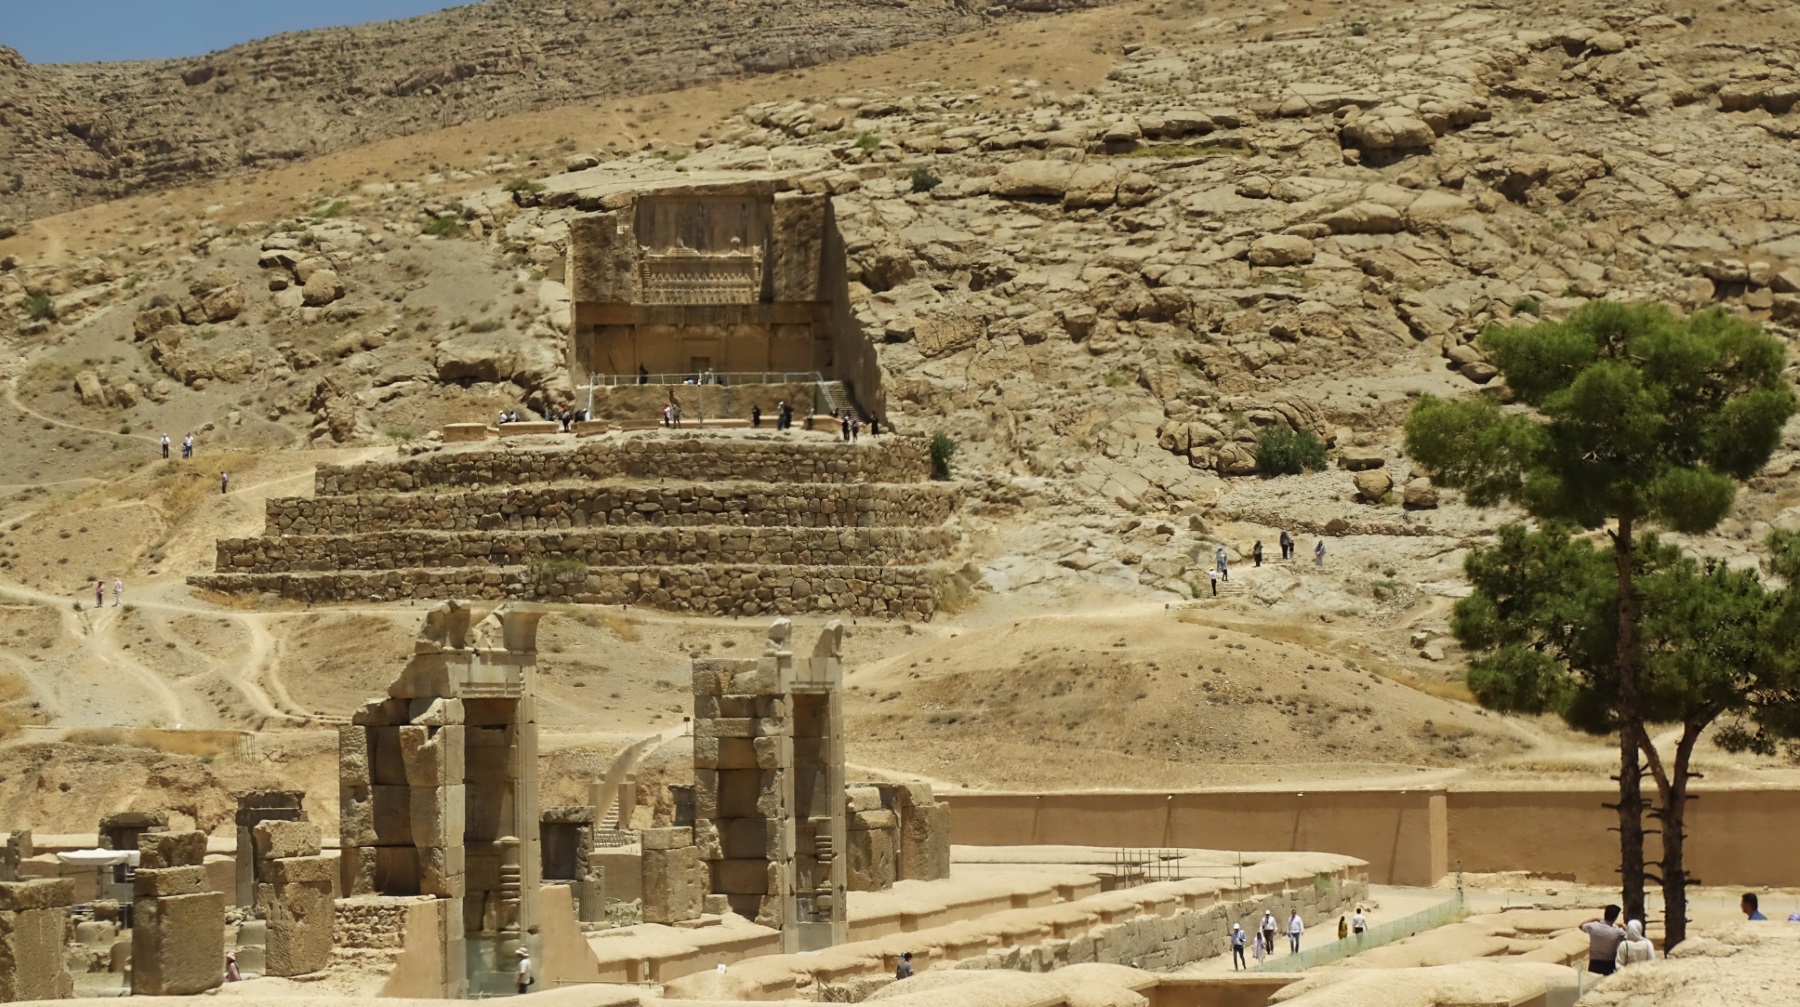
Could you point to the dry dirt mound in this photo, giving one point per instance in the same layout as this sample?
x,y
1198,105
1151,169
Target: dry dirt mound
x,y
1098,702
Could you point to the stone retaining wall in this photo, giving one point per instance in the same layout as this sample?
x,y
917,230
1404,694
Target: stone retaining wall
x,y
766,458
551,508
594,548
907,592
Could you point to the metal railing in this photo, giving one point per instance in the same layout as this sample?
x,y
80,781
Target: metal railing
x,y
1382,933
707,378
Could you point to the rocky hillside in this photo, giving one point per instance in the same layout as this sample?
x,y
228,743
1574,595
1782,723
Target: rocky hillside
x,y
73,134
1261,216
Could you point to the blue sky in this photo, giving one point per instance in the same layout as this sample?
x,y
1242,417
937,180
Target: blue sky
x,y
82,31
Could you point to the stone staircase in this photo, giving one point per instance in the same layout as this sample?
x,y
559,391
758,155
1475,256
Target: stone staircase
x,y
738,523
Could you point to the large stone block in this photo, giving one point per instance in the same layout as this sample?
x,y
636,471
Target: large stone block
x,y
925,843
354,767
387,756
300,925
171,849
743,838
740,877
666,839
275,840
392,815
178,945
32,963
163,882
356,871
800,223
674,883
44,893
437,815
433,757
442,871
871,859
300,870
356,817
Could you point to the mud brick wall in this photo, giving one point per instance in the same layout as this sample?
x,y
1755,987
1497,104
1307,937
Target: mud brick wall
x,y
773,459
601,548
552,508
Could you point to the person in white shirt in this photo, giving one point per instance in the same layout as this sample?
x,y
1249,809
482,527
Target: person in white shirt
x,y
1295,929
1268,930
1635,947
523,975
1359,922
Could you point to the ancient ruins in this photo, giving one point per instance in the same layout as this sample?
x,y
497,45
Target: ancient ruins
x,y
709,525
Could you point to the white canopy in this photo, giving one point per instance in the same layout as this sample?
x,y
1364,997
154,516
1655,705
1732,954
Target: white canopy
x,y
99,858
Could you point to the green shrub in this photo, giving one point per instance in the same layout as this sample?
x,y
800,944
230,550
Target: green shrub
x,y
1284,451
1114,379
488,325
868,141
943,449
522,185
40,307
924,179
1527,306
327,211
445,227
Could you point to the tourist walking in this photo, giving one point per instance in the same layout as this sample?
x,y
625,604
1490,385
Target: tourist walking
x,y
232,975
675,413
1287,545
1635,947
1256,552
523,975
756,416
643,375
187,446
904,969
118,591
224,483
1359,922
784,416
1319,553
99,593
1343,928
1604,936
844,418
1213,575
165,446
1260,948
1238,940
1749,906
1219,562
1268,930
1295,929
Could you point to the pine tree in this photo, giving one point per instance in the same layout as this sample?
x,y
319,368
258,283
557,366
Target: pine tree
x,y
1631,418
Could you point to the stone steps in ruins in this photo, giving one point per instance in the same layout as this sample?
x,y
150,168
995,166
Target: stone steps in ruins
x,y
569,505
605,547
657,455
894,591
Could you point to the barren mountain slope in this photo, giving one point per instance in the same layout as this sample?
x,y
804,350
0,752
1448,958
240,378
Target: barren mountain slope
x,y
74,133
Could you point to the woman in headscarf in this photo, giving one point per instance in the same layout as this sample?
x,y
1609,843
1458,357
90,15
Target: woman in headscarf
x,y
1635,947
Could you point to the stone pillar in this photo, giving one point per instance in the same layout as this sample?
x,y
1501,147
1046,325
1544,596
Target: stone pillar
x,y
769,784
178,926
675,878
34,916
253,807
294,897
438,788
923,839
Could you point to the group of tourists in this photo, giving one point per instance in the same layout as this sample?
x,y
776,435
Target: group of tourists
x,y
187,452
784,416
187,445
565,414
100,592
1612,947
1221,568
852,423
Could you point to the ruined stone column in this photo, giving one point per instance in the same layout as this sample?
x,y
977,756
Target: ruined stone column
x,y
178,925
294,897
253,807
34,915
